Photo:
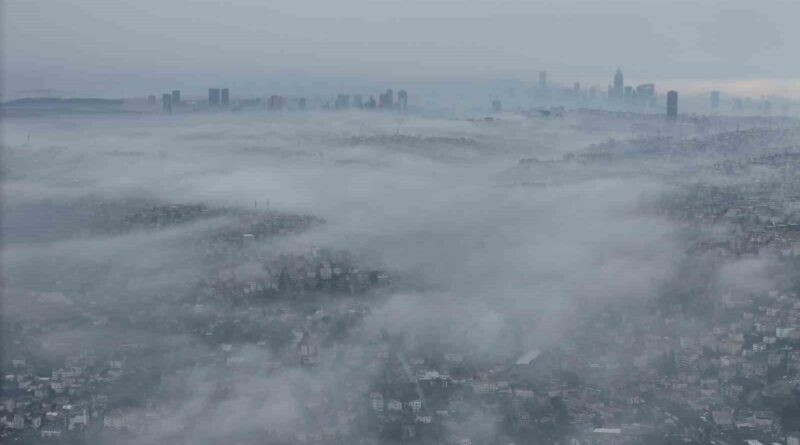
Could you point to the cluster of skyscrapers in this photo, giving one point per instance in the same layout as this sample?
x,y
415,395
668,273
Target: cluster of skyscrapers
x,y
385,100
168,100
219,97
619,93
216,97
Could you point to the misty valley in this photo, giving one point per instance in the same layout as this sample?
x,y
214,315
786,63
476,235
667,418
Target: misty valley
x,y
575,276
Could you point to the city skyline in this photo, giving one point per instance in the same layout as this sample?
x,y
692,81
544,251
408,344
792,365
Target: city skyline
x,y
744,50
416,222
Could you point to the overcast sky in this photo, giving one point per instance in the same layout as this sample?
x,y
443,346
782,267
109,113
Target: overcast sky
x,y
132,47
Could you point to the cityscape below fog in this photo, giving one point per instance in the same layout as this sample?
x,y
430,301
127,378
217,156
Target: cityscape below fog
x,y
398,223
543,97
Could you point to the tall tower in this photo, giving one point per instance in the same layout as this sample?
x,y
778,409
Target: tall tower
x,y
176,97
672,104
225,97
386,100
342,101
213,96
166,103
619,84
542,80
402,99
646,94
714,100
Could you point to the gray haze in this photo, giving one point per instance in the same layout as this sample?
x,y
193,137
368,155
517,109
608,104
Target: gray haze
x,y
496,242
297,263
120,48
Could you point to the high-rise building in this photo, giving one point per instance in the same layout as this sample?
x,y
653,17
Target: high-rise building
x,y
497,106
619,84
358,101
276,102
225,97
386,100
714,98
342,101
213,97
628,94
151,100
176,97
576,87
672,104
645,93
371,104
301,103
542,81
402,99
166,103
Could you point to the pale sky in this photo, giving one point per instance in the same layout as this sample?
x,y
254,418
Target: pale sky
x,y
123,47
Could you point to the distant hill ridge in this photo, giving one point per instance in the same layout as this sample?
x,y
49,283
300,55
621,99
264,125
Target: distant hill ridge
x,y
51,101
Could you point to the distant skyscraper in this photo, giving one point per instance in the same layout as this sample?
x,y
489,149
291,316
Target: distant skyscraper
x,y
714,97
386,100
497,106
166,103
576,87
301,103
371,104
213,96
645,94
276,102
225,97
542,93
151,100
402,99
619,84
672,104
342,102
628,94
358,101
176,97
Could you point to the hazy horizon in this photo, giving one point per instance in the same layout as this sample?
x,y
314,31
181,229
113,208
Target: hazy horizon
x,y
117,49
368,222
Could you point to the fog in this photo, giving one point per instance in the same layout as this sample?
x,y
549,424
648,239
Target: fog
x,y
122,49
493,269
489,256
479,256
